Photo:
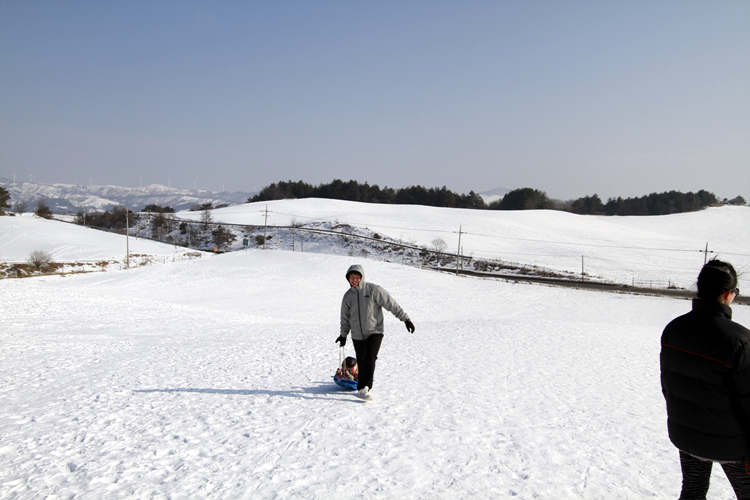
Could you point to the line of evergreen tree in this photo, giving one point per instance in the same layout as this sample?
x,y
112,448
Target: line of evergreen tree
x,y
158,209
4,200
355,191
653,204
519,199
523,199
670,202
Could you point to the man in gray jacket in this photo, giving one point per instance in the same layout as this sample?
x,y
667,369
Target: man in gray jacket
x,y
362,314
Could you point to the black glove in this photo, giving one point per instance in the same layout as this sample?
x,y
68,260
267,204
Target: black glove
x,y
341,341
409,326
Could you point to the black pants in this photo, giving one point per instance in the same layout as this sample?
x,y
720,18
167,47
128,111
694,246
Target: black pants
x,y
367,354
696,474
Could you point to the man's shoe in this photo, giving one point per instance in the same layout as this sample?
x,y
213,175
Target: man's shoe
x,y
364,394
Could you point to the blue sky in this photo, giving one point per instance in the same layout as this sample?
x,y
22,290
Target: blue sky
x,y
619,98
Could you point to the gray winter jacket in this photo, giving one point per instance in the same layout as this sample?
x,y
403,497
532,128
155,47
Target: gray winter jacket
x,y
362,308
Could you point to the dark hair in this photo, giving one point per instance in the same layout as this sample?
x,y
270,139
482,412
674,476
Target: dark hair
x,y
715,278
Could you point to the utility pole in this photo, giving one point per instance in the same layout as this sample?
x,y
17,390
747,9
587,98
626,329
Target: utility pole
x,y
705,255
458,254
582,271
127,240
265,224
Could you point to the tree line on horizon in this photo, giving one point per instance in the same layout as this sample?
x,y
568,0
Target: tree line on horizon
x,y
355,191
4,200
668,202
518,199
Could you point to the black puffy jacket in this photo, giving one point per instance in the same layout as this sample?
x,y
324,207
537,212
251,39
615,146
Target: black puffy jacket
x,y
705,378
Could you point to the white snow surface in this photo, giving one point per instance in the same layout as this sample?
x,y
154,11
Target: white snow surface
x,y
65,242
211,378
644,249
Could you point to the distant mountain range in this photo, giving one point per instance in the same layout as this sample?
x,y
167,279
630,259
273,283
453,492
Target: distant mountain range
x,y
494,194
69,198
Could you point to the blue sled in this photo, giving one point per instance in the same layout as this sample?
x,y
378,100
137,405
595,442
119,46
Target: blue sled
x,y
345,383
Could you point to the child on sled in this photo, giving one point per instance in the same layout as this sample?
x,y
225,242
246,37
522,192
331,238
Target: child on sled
x,y
348,369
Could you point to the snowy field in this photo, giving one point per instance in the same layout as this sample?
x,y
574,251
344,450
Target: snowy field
x,y
660,249
211,378
81,249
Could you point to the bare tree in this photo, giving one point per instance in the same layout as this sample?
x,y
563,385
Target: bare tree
x,y
206,218
20,207
39,259
170,222
158,223
439,244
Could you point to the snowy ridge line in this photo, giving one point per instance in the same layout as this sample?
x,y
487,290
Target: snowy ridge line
x,y
592,284
292,228
418,248
437,231
108,261
141,237
326,231
465,260
313,220
369,238
453,255
18,269
516,249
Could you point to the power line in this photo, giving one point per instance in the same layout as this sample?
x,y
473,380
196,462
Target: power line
x,y
482,235
532,240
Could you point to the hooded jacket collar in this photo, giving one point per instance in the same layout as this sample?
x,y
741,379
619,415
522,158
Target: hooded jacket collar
x,y
356,268
712,308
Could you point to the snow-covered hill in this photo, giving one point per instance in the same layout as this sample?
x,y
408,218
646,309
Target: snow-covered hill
x,y
68,198
654,251
211,378
79,248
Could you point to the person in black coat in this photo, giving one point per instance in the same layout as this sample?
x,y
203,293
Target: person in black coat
x,y
705,378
